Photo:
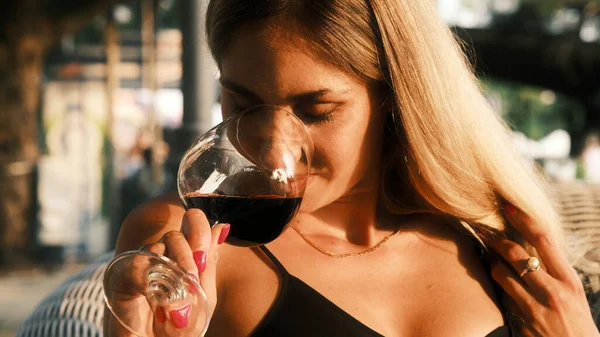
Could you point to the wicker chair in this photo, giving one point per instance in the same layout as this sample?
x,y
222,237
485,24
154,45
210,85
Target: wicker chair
x,y
75,309
579,207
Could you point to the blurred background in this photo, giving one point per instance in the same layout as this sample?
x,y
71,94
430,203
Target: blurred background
x,y
99,99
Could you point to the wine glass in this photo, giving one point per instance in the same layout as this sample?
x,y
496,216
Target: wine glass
x,y
250,171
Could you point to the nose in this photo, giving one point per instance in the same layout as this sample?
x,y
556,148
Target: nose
x,y
274,138
277,141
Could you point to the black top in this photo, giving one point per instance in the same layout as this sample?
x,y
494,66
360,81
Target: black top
x,y
299,311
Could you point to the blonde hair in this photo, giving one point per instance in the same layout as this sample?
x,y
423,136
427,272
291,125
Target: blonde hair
x,y
449,153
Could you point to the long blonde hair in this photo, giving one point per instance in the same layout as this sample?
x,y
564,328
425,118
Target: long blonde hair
x,y
449,153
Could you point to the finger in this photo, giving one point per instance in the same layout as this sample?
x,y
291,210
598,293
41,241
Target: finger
x,y
504,276
127,282
218,235
516,256
158,248
198,234
178,249
551,254
178,314
115,327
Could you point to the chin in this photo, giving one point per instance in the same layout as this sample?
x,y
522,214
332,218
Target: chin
x,y
308,205
312,198
315,196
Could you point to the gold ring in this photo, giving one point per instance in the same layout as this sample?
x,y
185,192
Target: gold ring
x,y
533,264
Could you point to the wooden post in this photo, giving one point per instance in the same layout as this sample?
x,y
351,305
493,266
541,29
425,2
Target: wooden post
x,y
198,78
113,59
150,83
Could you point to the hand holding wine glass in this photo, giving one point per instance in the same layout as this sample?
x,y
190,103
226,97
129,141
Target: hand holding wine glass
x,y
243,180
195,249
168,308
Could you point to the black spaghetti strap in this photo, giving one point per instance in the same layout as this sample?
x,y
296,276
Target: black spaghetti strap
x,y
274,260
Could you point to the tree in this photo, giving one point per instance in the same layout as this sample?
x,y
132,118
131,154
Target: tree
x,y
28,28
519,48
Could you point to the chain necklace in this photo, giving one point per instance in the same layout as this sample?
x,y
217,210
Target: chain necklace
x,y
341,255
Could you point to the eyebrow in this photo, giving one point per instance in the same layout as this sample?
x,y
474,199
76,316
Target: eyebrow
x,y
237,88
310,96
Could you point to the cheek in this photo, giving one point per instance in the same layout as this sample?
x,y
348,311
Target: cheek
x,y
344,147
346,152
331,153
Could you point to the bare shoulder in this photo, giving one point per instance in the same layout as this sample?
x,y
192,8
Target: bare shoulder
x,y
149,221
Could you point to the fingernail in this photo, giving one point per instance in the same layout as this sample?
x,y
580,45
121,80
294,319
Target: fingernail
x,y
160,315
179,317
224,233
200,259
509,209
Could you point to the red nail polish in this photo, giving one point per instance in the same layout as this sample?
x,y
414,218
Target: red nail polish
x,y
179,317
224,233
160,315
509,209
200,259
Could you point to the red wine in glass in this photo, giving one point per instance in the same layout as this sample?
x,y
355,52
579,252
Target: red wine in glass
x,y
255,219
250,172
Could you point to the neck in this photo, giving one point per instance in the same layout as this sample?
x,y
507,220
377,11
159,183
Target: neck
x,y
354,218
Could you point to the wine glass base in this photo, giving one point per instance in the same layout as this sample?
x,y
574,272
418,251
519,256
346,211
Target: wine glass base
x,y
151,295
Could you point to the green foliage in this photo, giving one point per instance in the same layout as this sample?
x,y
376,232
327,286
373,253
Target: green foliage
x,y
168,14
543,7
535,111
92,33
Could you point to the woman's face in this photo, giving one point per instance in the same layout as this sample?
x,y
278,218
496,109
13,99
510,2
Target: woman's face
x,y
343,115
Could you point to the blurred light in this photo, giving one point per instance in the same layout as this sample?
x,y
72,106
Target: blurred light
x,y
122,14
590,30
506,6
67,44
448,10
565,19
466,14
548,97
556,145
166,4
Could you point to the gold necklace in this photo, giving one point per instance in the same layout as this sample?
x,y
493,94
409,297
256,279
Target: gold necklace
x,y
340,255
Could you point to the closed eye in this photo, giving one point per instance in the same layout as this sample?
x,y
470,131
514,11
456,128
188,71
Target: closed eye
x,y
316,113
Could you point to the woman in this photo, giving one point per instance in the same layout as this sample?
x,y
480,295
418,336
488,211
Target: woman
x,y
412,172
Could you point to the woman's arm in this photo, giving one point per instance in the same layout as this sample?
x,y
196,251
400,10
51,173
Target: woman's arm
x,y
147,223
144,225
164,219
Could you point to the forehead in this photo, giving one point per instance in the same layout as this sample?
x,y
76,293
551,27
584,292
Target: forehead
x,y
272,61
